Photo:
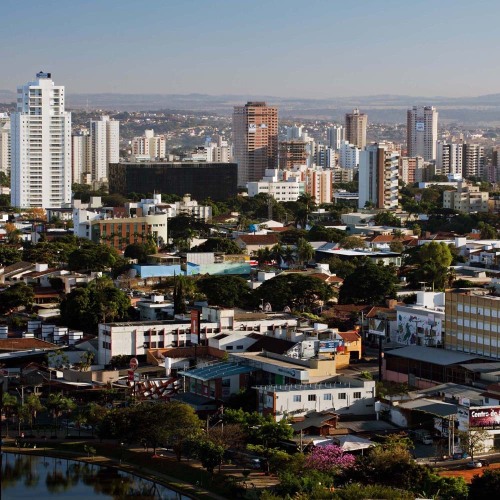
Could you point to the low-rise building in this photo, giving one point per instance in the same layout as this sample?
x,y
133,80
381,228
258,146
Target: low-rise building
x,y
342,395
466,199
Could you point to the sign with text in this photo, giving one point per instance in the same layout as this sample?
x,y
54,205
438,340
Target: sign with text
x,y
484,416
377,326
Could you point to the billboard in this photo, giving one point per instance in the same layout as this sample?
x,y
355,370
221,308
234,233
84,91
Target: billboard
x,y
252,127
330,345
377,326
484,416
420,126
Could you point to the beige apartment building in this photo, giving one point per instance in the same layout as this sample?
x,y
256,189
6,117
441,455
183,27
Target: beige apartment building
x,y
255,139
355,127
466,199
472,322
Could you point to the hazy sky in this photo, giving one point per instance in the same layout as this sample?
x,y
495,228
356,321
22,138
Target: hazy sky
x,y
314,48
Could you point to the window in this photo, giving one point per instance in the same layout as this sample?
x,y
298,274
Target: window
x,y
327,397
229,348
357,395
311,397
297,398
342,395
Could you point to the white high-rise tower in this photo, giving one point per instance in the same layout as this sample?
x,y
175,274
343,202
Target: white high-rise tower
x,y
105,146
41,146
422,128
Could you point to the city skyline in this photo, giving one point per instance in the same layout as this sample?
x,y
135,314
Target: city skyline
x,y
201,47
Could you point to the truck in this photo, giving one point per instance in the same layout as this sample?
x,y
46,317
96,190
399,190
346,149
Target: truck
x,y
423,436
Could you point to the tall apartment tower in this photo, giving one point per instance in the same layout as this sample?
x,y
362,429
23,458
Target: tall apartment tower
x,y
255,139
378,176
292,153
355,128
41,146
105,146
422,127
5,143
449,158
81,158
336,137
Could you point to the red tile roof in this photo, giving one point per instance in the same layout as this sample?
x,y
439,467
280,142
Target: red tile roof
x,y
350,336
24,344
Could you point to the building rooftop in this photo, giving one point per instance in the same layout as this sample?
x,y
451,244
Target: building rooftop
x,y
432,355
308,387
217,370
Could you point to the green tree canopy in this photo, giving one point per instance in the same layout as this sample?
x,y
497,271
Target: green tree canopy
x,y
9,255
224,245
369,284
17,295
228,291
98,302
295,290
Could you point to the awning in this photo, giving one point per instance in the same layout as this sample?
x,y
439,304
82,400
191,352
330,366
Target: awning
x,y
352,443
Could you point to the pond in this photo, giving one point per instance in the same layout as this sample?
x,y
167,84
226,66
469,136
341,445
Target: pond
x,y
29,476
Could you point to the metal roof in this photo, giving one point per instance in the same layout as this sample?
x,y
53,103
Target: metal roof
x,y
432,406
217,370
432,355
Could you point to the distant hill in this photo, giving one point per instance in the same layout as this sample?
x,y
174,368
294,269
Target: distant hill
x,y
479,110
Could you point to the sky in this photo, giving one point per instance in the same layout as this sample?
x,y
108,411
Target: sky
x,y
286,48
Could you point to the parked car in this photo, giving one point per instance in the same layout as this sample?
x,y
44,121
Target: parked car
x,y
476,464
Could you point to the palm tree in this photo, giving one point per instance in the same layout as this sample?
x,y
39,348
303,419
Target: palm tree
x,y
289,256
305,251
27,412
276,254
9,407
58,404
262,255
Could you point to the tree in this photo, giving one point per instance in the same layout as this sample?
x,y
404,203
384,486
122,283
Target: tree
x,y
12,232
30,408
227,291
485,486
210,454
58,404
17,295
98,302
396,246
9,407
386,218
93,258
369,284
488,232
431,263
352,242
224,245
330,458
472,441
9,255
305,252
295,290
140,251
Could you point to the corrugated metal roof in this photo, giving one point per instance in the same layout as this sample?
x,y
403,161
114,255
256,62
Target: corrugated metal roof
x,y
432,406
217,370
432,355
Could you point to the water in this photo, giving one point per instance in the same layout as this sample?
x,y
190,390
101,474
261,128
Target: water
x,y
29,476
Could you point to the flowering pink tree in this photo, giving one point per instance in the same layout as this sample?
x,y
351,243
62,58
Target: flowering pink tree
x,y
329,458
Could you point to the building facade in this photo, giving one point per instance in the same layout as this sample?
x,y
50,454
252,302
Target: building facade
x,y
378,177
81,158
255,140
355,128
202,180
335,136
348,155
422,123
149,146
319,184
411,169
40,146
105,146
473,322
466,199
292,153
5,147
